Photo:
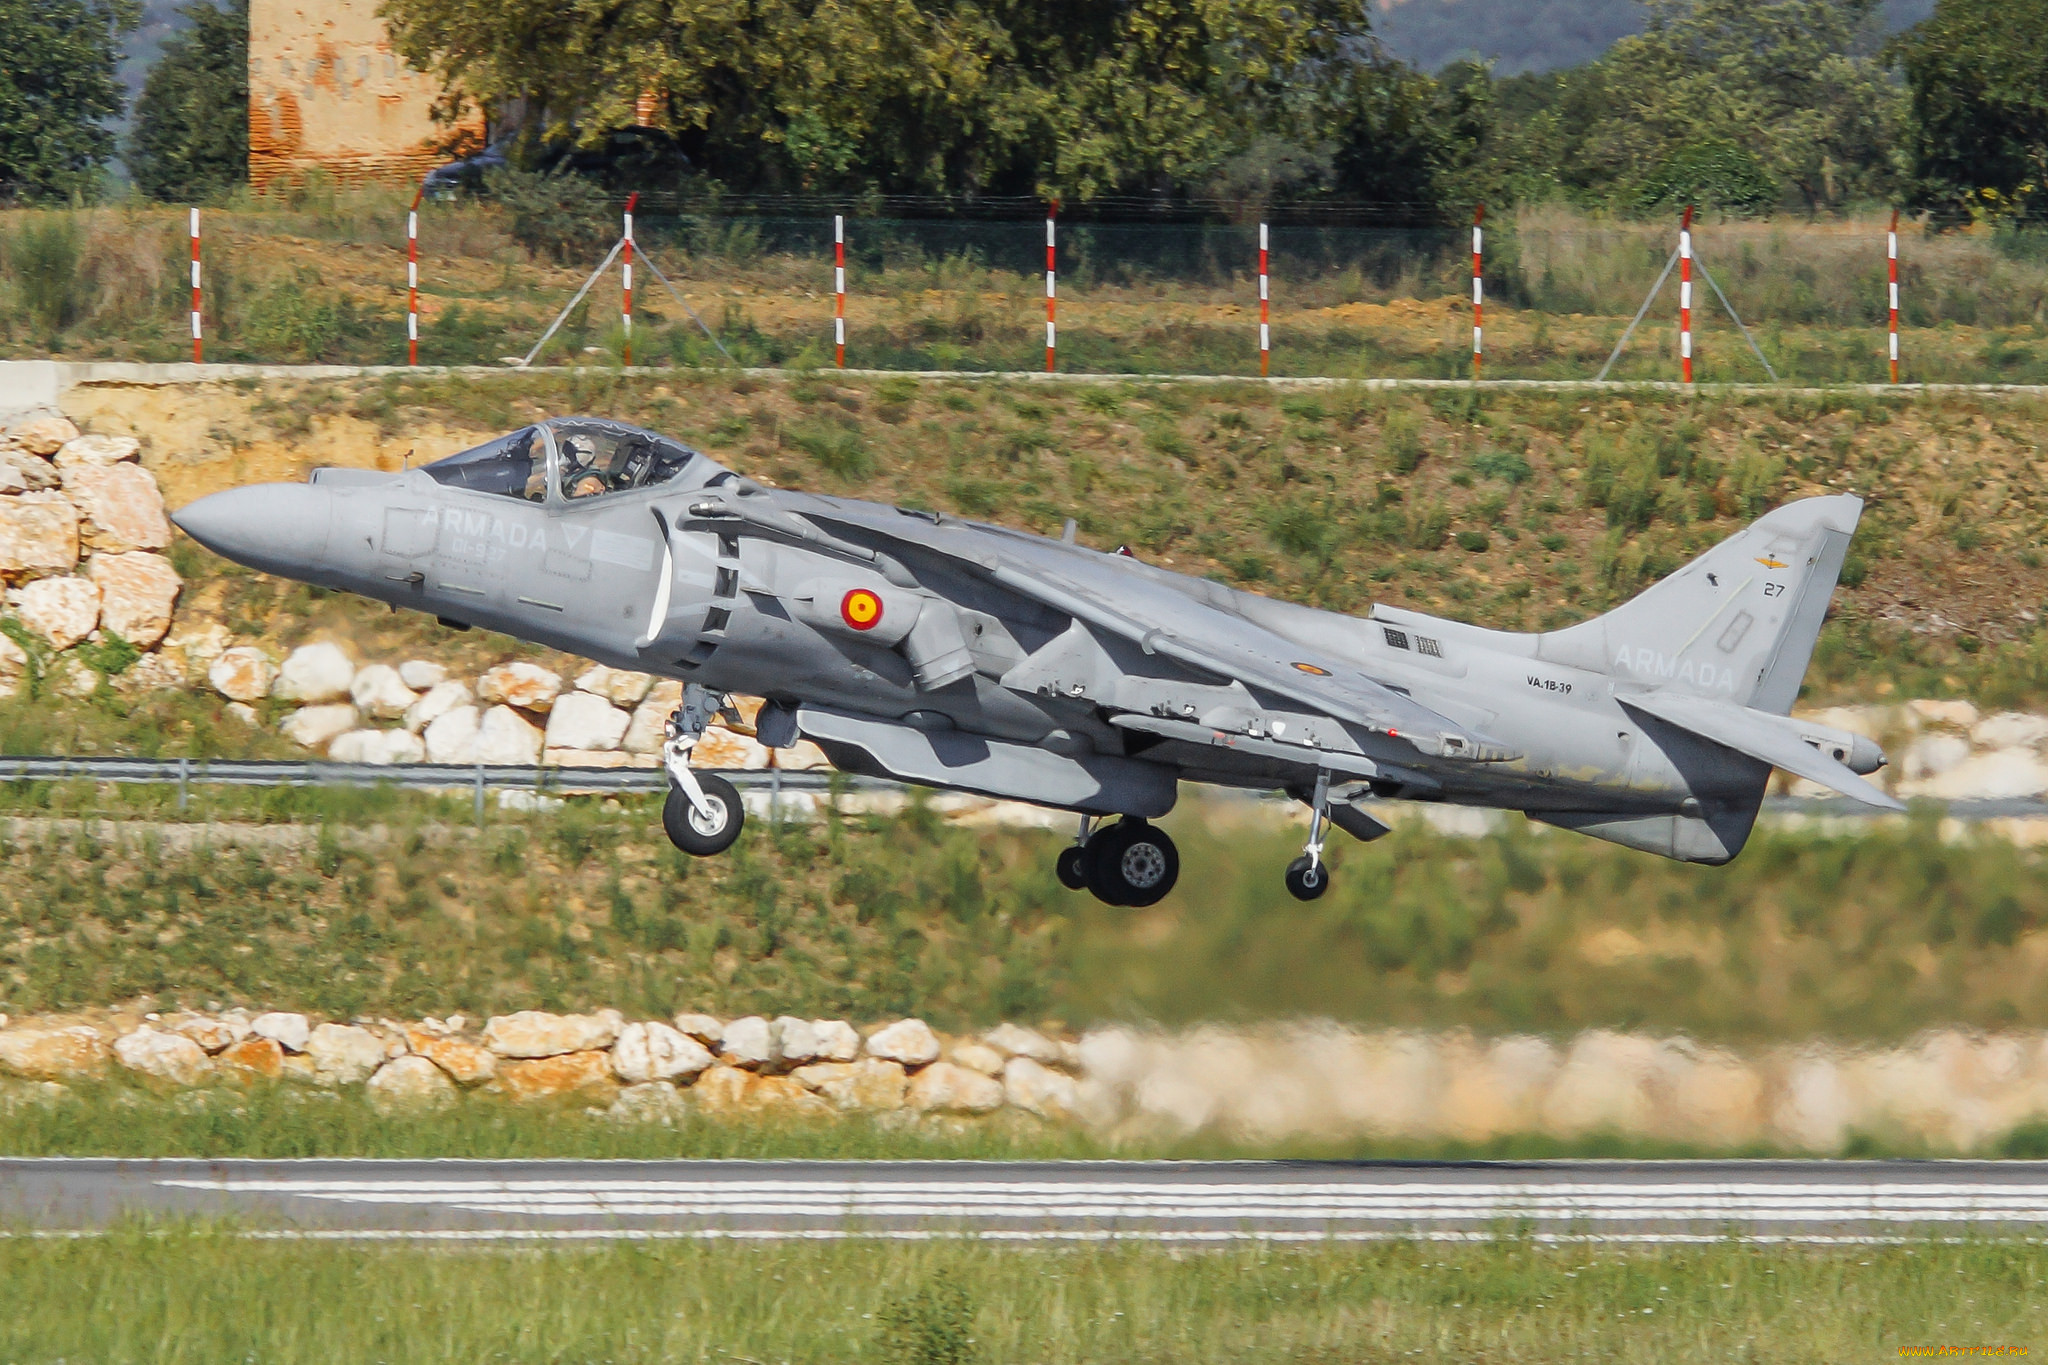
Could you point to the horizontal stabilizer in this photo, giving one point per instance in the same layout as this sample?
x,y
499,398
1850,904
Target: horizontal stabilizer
x,y
1763,736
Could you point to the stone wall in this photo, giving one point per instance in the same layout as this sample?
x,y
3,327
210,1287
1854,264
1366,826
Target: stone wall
x,y
1947,1091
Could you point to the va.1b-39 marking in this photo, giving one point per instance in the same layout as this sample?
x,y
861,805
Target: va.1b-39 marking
x,y
975,658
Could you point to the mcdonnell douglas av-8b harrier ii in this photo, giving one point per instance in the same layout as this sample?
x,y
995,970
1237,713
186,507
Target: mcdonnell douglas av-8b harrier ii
x,y
971,657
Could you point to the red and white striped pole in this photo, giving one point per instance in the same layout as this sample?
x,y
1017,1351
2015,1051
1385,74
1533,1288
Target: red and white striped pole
x,y
198,354
1478,291
1685,293
1052,210
1891,252
412,279
626,304
839,290
1265,329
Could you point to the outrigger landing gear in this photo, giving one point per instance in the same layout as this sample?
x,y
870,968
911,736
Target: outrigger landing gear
x,y
702,814
1131,862
1307,878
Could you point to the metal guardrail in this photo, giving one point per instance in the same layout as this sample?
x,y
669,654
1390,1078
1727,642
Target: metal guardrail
x,y
541,778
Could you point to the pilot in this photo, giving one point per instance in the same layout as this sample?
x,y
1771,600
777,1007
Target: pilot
x,y
580,475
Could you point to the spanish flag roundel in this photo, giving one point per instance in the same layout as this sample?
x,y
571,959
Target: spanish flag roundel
x,y
861,609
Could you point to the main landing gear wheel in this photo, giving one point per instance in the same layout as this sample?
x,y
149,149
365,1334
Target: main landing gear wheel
x,y
1131,863
1072,868
1307,878
702,833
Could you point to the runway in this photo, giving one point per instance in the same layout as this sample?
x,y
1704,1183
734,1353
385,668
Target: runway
x,y
1194,1202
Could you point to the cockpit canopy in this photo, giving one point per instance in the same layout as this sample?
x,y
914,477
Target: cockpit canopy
x,y
574,459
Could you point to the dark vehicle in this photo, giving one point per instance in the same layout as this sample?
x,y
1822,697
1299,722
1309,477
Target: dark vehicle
x,y
624,160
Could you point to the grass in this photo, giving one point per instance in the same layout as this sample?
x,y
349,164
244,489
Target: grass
x,y
198,1293
395,905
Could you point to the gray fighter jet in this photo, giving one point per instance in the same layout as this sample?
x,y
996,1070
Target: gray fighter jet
x,y
970,657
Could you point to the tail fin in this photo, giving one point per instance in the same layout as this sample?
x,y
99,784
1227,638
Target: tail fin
x,y
1738,623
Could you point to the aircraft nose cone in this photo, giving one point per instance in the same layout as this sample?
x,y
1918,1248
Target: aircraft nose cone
x,y
275,527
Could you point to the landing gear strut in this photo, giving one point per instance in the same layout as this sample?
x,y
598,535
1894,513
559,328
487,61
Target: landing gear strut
x,y
1131,862
1307,878
702,814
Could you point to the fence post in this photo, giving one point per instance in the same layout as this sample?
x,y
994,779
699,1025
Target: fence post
x,y
1685,293
1051,211
479,795
198,353
1478,291
412,278
1891,251
184,780
1265,330
839,290
626,304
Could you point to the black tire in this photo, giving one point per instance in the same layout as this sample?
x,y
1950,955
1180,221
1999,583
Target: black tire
x,y
689,831
1072,868
1307,880
1131,863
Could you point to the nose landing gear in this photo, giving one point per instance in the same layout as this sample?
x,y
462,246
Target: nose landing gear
x,y
702,815
1131,862
1307,878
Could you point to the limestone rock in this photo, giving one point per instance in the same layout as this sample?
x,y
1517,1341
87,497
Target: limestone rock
x,y
159,671
244,673
1032,1086
948,1089
649,726
13,658
318,672
255,1055
838,1041
535,1033
75,678
378,691
978,1057
650,1102
38,533
45,436
1013,1040
702,1027
123,507
165,1056
137,593
313,727
615,685
344,1054
464,1061
437,702
53,1054
748,1042
2010,730
213,1034
656,1052
451,736
524,685
2008,774
867,1085
422,674
796,1042
909,1041
584,720
592,758
1960,714
505,737
244,713
727,1091
291,1031
202,640
96,450
1932,755
12,480
62,610
377,746
409,1083
538,1078
722,748
26,472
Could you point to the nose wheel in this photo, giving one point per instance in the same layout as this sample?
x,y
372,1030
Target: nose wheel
x,y
702,814
1131,862
1307,876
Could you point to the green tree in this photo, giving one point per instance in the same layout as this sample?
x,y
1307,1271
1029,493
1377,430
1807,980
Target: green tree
x,y
1977,77
191,134
57,90
1070,97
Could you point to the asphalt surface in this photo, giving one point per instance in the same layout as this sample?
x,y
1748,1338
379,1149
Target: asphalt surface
x,y
1652,1201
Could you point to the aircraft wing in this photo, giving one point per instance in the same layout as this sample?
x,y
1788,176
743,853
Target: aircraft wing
x,y
1768,738
1197,634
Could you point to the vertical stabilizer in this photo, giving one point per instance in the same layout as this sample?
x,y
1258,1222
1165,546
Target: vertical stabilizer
x,y
1737,624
